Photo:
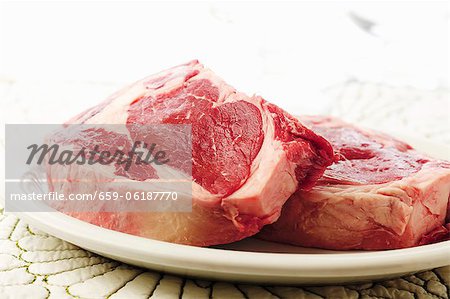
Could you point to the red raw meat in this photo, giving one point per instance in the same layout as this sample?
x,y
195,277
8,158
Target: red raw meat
x,y
381,194
248,157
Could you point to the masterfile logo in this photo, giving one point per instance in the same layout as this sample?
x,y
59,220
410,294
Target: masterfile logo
x,y
95,155
101,167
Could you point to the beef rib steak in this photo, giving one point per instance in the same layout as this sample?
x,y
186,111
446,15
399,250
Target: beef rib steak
x,y
381,194
248,157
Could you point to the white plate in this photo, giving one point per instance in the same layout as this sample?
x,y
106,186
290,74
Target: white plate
x,y
250,260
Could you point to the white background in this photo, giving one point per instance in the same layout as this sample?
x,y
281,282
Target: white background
x,y
288,52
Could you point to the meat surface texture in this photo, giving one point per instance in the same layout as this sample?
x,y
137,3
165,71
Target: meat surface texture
x,y
381,194
248,157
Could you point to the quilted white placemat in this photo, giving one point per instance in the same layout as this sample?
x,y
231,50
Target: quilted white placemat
x,y
36,265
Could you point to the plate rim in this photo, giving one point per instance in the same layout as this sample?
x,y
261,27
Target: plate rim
x,y
204,259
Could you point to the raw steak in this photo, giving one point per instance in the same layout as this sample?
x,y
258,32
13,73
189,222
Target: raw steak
x,y
248,156
381,194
